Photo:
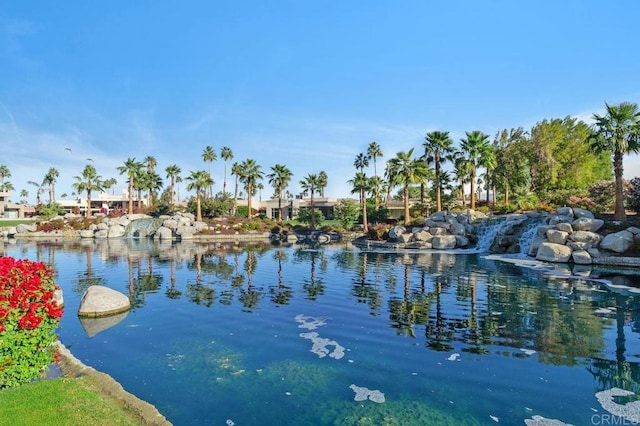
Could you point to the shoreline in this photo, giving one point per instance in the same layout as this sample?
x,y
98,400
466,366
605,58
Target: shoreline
x,y
72,367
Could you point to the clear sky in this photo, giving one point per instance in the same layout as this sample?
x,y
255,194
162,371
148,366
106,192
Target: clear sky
x,y
308,84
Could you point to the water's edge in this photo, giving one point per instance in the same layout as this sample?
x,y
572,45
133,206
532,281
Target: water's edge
x,y
74,368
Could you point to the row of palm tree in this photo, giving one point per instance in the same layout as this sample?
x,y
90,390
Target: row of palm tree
x,y
617,132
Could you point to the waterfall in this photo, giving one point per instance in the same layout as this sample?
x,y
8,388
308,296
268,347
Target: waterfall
x,y
530,232
142,228
487,232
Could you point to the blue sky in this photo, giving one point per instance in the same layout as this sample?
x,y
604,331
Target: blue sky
x,y
303,83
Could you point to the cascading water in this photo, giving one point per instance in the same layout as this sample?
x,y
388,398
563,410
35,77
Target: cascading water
x,y
142,228
487,232
530,232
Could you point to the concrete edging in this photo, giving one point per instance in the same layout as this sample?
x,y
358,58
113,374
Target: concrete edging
x,y
72,367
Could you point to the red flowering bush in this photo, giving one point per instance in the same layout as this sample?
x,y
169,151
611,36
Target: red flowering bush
x,y
29,316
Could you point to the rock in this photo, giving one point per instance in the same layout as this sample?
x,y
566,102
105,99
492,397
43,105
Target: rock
x,y
85,233
23,228
438,231
171,224
461,241
535,244
594,252
185,232
395,231
422,235
550,252
579,213
163,234
634,230
581,257
103,233
405,238
100,301
116,231
457,228
618,242
564,211
587,224
443,242
565,227
557,237
585,237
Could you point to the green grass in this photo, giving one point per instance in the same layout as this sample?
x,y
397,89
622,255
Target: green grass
x,y
61,401
13,222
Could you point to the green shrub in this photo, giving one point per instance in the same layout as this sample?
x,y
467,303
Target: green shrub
x,y
633,195
29,316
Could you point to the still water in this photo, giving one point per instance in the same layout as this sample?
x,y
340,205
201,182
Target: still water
x,y
255,334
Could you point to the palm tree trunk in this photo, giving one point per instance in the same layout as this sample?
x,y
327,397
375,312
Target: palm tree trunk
x,y
473,191
313,213
620,213
406,205
365,220
280,206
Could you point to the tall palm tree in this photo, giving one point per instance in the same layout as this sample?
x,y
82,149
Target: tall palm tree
x,y
374,151
198,181
39,190
310,184
279,178
474,146
4,173
361,161
173,172
405,170
153,183
89,181
489,161
322,182
108,183
618,132
361,184
50,179
209,155
151,163
131,168
236,170
461,170
24,194
250,176
226,154
437,145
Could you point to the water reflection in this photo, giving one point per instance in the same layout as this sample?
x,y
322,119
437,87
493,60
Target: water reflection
x,y
443,302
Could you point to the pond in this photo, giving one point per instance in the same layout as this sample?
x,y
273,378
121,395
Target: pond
x,y
225,334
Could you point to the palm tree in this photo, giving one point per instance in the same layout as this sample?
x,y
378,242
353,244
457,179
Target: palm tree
x,y
462,170
322,183
489,161
279,178
39,191
153,183
209,156
373,152
310,184
89,180
250,174
474,146
132,169
361,184
361,161
151,163
4,173
198,181
226,154
405,170
108,183
24,194
437,145
236,170
173,172
50,179
618,132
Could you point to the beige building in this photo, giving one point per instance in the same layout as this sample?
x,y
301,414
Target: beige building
x,y
9,210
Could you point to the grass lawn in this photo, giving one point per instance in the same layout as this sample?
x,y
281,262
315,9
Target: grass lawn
x,y
62,401
13,222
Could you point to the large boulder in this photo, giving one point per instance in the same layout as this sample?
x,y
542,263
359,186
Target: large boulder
x,y
618,242
116,231
23,228
550,252
585,237
587,224
581,257
100,301
557,237
395,231
443,242
163,233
